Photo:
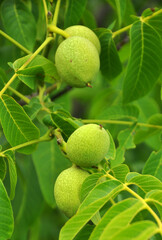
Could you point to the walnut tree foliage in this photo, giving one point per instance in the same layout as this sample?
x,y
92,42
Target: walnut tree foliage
x,y
122,196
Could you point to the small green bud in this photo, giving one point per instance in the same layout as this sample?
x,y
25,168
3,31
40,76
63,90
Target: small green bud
x,y
77,61
67,189
88,145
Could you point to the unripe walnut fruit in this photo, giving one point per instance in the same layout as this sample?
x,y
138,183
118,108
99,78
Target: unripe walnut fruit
x,y
82,31
88,145
67,189
77,61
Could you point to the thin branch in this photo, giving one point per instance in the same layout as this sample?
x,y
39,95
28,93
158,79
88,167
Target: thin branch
x,y
120,122
155,216
114,34
54,29
47,137
65,90
57,8
51,88
14,42
25,99
45,11
49,39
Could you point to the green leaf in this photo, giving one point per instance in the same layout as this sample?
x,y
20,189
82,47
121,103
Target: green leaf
x,y
125,139
3,168
6,214
33,108
155,196
124,10
116,218
156,22
74,12
13,173
153,165
40,69
120,172
131,175
66,125
109,58
19,22
89,207
89,183
146,182
120,8
89,19
3,78
17,126
112,150
85,232
48,164
142,230
119,112
144,66
142,135
31,202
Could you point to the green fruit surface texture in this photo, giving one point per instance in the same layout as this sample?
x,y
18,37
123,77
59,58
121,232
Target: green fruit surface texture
x,y
77,61
88,145
82,31
67,189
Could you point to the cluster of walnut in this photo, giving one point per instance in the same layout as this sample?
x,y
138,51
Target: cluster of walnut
x,y
86,147
77,57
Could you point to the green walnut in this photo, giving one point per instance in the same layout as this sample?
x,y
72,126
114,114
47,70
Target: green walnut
x,y
88,145
82,31
77,61
67,189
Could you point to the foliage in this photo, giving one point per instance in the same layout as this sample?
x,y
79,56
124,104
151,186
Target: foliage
x,y
122,196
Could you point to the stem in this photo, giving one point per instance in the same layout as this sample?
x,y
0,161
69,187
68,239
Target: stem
x,y
46,137
8,84
141,199
25,99
45,11
153,15
51,88
49,39
55,17
60,140
14,42
52,28
121,30
129,26
26,63
121,123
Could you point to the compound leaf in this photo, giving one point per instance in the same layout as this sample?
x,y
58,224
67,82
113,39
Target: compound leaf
x,y
74,12
12,171
6,214
125,139
17,126
153,165
89,183
120,172
146,182
116,218
144,66
119,112
142,230
3,168
89,207
48,164
40,69
19,22
155,196
110,61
